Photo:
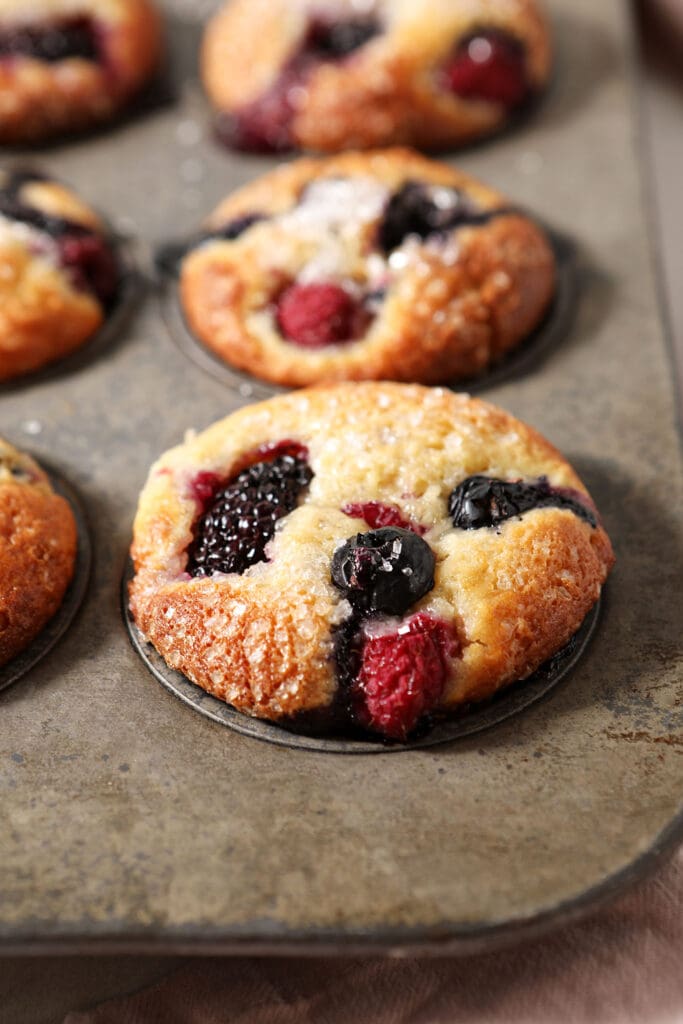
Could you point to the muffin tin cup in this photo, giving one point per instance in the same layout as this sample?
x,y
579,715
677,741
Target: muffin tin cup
x,y
550,333
513,699
129,293
73,598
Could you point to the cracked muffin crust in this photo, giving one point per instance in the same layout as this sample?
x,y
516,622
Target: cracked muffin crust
x,y
329,75
66,65
380,265
37,550
59,272
363,556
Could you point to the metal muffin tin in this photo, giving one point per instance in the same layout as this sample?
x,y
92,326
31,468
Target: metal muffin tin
x,y
138,824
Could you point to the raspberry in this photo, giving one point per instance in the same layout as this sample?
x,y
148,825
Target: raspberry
x,y
315,315
402,676
482,501
376,514
239,519
51,42
91,263
489,65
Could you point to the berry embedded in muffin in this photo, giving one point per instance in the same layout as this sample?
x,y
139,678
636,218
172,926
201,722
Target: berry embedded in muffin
x,y
38,539
370,557
66,66
61,274
380,265
295,74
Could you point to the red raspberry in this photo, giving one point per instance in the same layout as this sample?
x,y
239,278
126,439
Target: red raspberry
x,y
377,515
315,315
489,66
403,674
91,263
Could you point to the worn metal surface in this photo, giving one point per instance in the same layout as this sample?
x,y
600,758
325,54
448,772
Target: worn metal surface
x,y
129,820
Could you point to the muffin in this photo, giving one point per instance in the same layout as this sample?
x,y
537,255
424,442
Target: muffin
x,y
339,74
66,65
364,557
381,265
37,550
60,272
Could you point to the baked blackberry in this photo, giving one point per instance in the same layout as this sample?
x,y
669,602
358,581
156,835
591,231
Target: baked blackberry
x,y
235,530
482,501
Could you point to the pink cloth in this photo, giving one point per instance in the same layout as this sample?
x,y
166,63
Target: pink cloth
x,y
621,966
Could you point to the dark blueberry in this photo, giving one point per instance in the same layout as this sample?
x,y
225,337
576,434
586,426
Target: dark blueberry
x,y
484,501
424,210
170,255
386,570
51,42
336,40
238,523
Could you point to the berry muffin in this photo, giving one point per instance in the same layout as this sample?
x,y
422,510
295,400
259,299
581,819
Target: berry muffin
x,y
329,75
37,550
59,275
66,65
380,265
364,556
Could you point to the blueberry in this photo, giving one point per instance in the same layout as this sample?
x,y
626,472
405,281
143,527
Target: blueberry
x,y
482,501
423,210
386,570
336,40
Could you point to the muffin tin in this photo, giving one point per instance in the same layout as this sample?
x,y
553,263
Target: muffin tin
x,y
138,824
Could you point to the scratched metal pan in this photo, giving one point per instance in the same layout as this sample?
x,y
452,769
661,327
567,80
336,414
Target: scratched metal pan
x,y
510,702
555,326
73,599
